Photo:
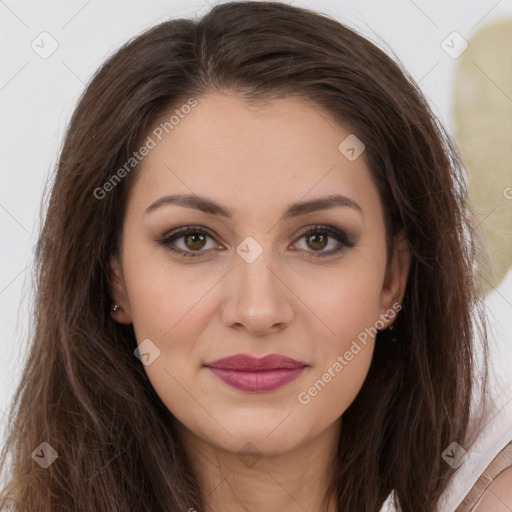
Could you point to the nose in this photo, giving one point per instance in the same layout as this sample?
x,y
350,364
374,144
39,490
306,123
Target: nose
x,y
257,298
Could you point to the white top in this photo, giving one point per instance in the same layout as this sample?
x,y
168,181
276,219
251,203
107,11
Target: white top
x,y
497,432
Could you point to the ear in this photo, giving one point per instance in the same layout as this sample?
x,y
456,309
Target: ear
x,y
395,279
118,292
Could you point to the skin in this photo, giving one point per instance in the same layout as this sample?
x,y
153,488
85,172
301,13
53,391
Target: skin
x,y
498,496
256,161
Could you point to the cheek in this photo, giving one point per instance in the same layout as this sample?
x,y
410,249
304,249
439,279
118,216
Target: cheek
x,y
344,357
166,298
171,309
349,309
331,388
347,301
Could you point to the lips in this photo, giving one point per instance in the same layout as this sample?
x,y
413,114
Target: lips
x,y
252,374
243,362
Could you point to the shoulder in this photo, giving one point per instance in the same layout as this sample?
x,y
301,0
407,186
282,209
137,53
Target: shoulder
x,y
498,496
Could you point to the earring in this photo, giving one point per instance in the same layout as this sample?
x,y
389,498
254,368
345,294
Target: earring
x,y
115,307
392,338
388,345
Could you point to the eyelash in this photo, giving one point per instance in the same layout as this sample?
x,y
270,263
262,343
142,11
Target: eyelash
x,y
338,235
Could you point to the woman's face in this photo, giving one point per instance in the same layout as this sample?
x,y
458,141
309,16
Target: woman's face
x,y
255,283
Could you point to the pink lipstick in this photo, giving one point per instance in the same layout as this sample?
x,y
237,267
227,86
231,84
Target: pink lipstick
x,y
256,375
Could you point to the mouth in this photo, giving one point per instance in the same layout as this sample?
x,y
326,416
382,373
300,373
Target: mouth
x,y
251,374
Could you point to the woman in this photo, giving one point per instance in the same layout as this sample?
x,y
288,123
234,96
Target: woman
x,y
256,285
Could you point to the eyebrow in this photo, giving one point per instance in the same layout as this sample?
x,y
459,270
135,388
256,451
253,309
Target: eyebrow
x,y
294,210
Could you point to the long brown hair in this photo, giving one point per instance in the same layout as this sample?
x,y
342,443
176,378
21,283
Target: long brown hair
x,y
82,390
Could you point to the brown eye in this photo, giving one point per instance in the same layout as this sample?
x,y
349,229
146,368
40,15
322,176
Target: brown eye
x,y
188,241
195,241
316,241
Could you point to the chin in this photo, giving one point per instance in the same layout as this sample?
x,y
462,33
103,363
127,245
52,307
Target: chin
x,y
259,440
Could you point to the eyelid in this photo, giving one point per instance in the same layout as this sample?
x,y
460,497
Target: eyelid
x,y
345,240
330,230
176,234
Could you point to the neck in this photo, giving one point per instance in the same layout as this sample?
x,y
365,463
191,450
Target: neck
x,y
292,482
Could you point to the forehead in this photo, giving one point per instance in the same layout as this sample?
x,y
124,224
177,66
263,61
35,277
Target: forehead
x,y
251,153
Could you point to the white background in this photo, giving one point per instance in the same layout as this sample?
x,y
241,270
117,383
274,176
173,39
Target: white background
x,y
37,97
